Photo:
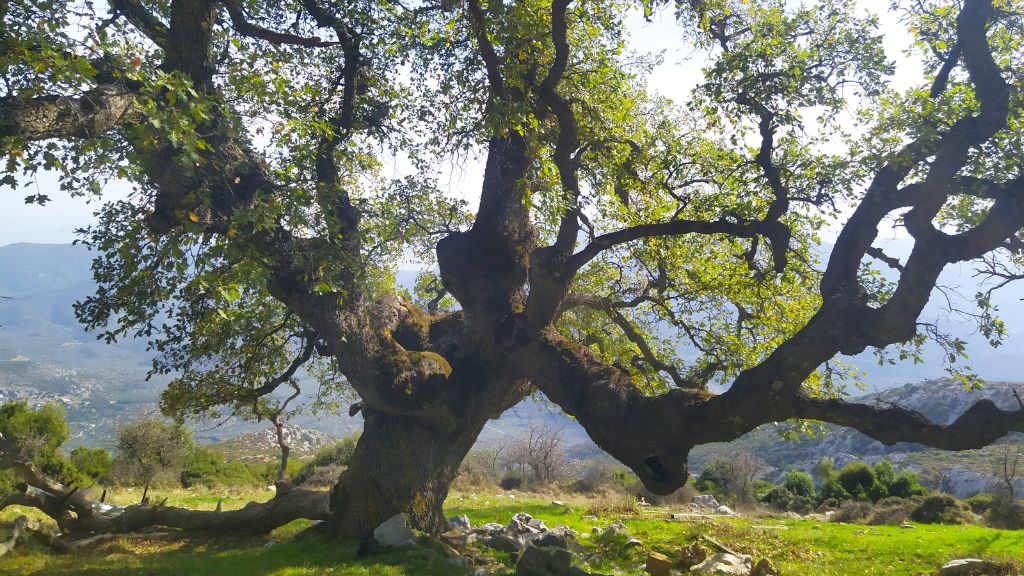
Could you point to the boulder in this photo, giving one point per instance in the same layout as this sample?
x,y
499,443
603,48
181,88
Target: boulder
x,y
489,528
764,568
725,510
551,539
459,523
394,532
613,531
458,538
692,555
536,561
968,567
658,564
705,501
505,543
725,564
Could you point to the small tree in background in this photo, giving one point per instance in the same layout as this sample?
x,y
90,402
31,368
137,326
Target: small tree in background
x,y
539,453
148,447
733,474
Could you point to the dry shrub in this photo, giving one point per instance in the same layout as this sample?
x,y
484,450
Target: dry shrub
x,y
322,476
853,512
893,510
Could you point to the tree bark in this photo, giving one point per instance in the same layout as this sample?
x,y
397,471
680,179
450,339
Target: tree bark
x,y
402,464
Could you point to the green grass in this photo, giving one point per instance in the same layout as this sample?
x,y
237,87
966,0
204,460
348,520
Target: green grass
x,y
796,546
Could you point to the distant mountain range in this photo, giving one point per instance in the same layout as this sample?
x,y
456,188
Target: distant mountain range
x,y
45,355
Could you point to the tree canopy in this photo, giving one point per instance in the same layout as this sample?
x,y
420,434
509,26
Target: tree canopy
x,y
628,256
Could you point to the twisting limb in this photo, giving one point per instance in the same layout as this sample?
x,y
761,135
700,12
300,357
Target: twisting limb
x,y
78,516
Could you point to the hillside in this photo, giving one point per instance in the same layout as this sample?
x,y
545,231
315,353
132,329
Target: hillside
x,y
46,356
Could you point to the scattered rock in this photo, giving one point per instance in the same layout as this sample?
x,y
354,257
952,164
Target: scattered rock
x,y
557,503
969,567
907,525
552,539
459,523
505,543
634,543
394,532
489,528
724,564
588,517
536,561
458,538
657,564
462,561
764,568
692,555
725,510
613,531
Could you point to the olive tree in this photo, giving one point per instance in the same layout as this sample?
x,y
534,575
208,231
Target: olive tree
x,y
651,267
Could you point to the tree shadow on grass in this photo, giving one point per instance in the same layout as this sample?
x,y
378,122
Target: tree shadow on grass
x,y
217,555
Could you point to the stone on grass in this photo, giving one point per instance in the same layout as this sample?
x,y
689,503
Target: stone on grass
x,y
394,532
536,561
764,568
459,523
968,567
552,539
725,510
658,564
458,538
692,555
504,543
705,501
724,564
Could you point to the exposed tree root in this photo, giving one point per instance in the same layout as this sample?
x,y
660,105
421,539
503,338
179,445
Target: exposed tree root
x,y
81,518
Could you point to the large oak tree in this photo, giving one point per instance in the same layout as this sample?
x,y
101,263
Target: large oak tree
x,y
627,256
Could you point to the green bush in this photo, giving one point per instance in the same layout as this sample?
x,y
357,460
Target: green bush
x,y
906,485
40,432
94,463
940,509
336,454
858,480
981,503
208,468
799,483
1005,512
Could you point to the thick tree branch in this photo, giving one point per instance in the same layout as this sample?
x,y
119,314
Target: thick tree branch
x,y
246,28
93,113
982,423
143,20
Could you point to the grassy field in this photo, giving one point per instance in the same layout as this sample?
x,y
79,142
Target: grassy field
x,y
796,546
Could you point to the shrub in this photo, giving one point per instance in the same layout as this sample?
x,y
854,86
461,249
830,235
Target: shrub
x,y
322,476
94,463
799,483
981,503
208,468
511,482
597,474
336,455
478,469
858,480
893,510
905,485
1005,513
940,509
148,448
853,512
780,498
